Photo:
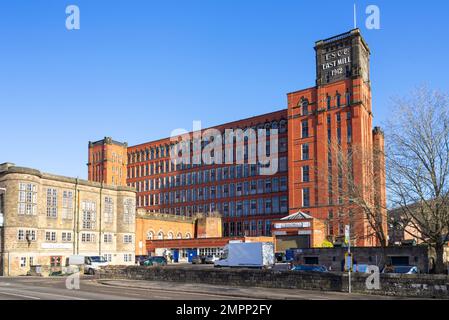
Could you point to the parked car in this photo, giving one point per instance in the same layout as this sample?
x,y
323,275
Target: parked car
x,y
141,259
211,259
401,269
155,261
197,260
309,267
360,268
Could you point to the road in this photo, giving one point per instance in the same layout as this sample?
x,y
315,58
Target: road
x,y
54,288
36,288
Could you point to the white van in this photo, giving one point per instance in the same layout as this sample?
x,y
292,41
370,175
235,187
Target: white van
x,y
247,255
91,263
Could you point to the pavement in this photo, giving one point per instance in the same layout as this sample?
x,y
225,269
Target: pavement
x,y
54,288
239,292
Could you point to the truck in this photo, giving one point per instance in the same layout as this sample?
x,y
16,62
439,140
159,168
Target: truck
x,y
247,255
91,264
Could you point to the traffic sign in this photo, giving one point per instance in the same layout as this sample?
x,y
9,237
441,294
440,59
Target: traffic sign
x,y
348,261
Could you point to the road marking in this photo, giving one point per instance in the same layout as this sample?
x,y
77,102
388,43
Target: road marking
x,y
59,295
162,290
19,295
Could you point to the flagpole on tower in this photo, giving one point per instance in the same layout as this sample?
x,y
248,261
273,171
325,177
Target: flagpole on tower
x,y
355,16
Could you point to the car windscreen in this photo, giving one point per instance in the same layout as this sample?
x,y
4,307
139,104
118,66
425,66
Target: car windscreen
x,y
97,259
401,269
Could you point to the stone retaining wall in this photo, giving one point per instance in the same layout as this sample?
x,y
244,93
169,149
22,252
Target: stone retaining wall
x,y
422,286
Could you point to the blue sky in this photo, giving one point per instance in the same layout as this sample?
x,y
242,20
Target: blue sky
x,y
138,69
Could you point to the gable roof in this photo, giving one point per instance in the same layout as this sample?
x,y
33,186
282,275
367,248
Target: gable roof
x,y
297,216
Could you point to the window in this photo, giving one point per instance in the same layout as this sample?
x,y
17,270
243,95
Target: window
x,y
305,151
328,102
66,237
108,210
305,108
275,185
50,236
338,100
188,236
89,214
127,257
67,205
305,129
129,211
27,198
29,235
283,183
306,197
107,238
349,133
267,228
21,235
160,235
55,261
127,238
268,205
283,165
150,235
87,237
23,262
108,257
283,145
275,204
284,204
305,174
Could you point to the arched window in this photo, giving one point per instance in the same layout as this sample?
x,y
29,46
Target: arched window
x,y
283,126
305,107
150,235
179,236
267,128
338,100
160,235
348,98
328,102
170,235
188,236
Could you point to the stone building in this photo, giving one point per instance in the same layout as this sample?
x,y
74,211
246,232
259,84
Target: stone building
x,y
47,218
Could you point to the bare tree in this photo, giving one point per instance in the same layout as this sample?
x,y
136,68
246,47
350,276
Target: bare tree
x,y
418,167
363,194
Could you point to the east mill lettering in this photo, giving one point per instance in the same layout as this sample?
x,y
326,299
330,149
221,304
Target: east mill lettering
x,y
341,57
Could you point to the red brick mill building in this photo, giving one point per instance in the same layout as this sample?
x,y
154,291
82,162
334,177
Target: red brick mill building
x,y
336,110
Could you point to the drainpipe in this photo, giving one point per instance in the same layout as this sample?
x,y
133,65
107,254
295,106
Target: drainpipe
x,y
2,231
78,222
74,217
99,214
